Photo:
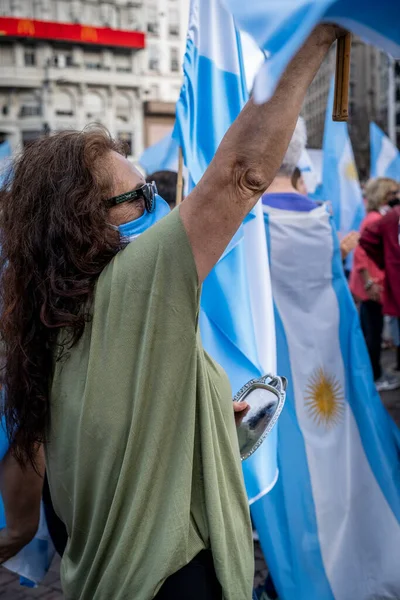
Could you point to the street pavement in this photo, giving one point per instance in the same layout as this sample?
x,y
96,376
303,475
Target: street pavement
x,y
50,589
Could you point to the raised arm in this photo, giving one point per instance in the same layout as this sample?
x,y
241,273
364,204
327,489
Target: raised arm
x,y
249,156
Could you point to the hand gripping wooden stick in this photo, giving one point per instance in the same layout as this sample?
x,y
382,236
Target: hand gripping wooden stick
x,y
342,79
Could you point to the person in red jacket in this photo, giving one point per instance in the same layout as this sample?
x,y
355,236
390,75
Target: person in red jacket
x,y
367,281
381,242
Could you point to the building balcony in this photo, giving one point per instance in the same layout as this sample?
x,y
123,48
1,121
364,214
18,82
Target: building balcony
x,y
20,77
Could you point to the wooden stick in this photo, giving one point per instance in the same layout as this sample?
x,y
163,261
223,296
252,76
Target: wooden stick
x,y
342,79
179,182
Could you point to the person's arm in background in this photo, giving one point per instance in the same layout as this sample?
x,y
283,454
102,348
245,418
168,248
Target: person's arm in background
x,y
371,242
21,491
360,264
349,243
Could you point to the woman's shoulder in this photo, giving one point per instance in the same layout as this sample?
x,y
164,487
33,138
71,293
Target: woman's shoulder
x,y
370,218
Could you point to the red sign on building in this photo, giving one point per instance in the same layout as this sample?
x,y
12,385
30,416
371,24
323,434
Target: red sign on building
x,y
71,32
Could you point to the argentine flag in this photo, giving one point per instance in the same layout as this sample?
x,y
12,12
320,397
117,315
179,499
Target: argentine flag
x,y
281,27
385,158
334,514
236,319
341,186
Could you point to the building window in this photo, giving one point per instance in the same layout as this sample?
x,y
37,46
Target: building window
x,y
173,22
123,107
93,60
152,20
123,62
94,105
61,60
89,14
64,104
63,10
76,10
29,57
174,60
130,18
154,59
108,15
6,55
125,138
29,106
398,119
154,92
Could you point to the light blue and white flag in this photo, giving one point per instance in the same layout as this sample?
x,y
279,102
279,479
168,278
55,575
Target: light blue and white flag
x,y
162,156
341,186
385,157
334,514
236,319
280,28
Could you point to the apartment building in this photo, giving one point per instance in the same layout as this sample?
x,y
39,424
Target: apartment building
x,y
67,63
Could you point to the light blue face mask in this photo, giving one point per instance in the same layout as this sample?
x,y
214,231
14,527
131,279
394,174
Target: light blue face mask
x,y
132,229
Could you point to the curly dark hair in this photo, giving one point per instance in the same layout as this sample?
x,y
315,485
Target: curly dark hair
x,y
55,241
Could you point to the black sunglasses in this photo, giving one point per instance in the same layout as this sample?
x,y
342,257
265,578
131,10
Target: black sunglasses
x,y
148,192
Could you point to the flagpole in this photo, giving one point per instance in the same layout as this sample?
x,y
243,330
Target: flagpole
x,y
342,79
179,183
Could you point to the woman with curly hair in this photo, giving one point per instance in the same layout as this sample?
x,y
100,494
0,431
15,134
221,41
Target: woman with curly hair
x,y
104,364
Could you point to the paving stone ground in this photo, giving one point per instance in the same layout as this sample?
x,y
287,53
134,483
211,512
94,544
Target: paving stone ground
x,y
50,589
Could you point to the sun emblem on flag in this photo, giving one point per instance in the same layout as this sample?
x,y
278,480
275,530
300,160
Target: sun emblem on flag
x,y
324,399
351,171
